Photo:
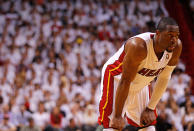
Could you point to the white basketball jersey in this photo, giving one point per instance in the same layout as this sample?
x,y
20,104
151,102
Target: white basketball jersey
x,y
149,68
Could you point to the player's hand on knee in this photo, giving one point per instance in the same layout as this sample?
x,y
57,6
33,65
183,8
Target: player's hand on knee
x,y
147,117
117,123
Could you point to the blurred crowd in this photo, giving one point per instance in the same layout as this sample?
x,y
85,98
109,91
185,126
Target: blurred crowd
x,y
51,55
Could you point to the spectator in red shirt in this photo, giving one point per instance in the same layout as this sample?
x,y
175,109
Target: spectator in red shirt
x,y
56,118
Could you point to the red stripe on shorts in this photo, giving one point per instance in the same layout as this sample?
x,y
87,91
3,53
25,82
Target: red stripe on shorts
x,y
106,102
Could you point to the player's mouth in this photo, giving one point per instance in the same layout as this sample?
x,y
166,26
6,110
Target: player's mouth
x,y
170,48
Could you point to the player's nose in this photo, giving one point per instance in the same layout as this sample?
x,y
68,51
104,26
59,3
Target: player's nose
x,y
174,39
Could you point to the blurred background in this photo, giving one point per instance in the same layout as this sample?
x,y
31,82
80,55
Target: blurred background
x,y
52,52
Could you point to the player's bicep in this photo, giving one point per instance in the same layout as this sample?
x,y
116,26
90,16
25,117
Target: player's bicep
x,y
135,53
129,68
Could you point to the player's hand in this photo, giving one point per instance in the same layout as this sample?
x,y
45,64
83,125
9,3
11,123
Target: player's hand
x,y
117,123
147,117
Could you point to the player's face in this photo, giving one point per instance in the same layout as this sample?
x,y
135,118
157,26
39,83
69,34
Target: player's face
x,y
168,39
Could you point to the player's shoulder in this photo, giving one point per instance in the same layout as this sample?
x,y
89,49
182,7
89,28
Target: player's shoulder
x,y
137,47
140,40
137,44
145,36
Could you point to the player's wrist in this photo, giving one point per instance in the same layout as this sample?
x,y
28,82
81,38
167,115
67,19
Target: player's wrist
x,y
117,115
150,109
151,106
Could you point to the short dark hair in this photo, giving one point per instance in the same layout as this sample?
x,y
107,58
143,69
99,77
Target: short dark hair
x,y
164,22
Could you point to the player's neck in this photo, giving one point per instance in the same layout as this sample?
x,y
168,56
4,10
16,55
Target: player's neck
x,y
157,49
156,46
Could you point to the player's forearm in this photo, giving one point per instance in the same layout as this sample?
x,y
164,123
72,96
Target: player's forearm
x,y
160,86
159,90
121,96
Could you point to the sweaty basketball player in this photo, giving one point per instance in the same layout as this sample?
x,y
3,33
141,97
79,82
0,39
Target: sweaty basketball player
x,y
141,59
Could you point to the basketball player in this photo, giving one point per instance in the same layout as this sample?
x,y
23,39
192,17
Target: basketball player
x,y
141,59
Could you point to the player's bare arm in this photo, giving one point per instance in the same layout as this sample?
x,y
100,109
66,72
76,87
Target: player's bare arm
x,y
136,51
148,116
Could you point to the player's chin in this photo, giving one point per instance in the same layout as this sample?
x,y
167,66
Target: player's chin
x,y
170,49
